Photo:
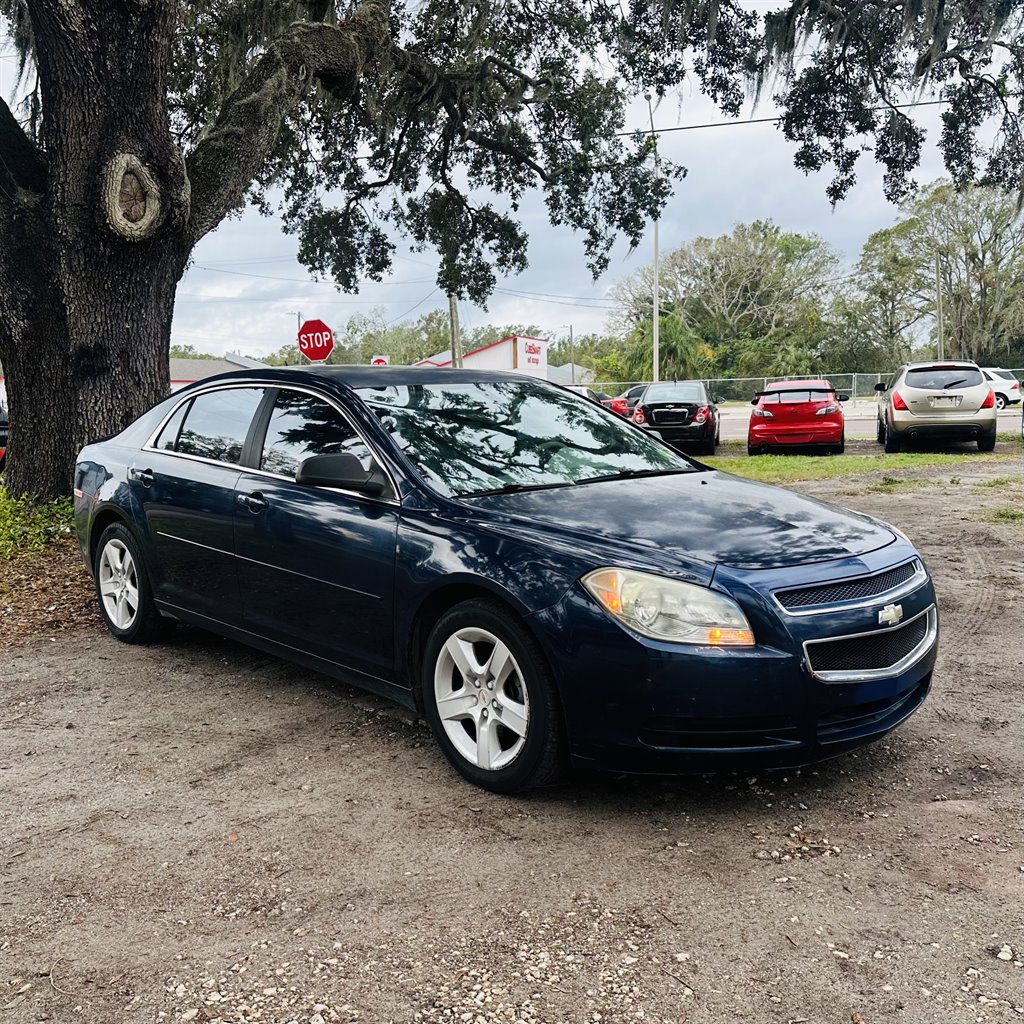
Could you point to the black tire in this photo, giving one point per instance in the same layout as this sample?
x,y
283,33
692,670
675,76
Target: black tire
x,y
986,442
753,449
879,432
841,447
529,685
893,442
707,447
146,624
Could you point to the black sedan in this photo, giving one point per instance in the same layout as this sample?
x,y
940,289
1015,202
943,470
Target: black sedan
x,y
680,412
540,577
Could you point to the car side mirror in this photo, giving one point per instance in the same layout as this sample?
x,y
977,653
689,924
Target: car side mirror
x,y
342,470
753,401
881,387
718,401
844,398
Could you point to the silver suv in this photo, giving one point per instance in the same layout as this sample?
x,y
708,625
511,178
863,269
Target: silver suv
x,y
942,400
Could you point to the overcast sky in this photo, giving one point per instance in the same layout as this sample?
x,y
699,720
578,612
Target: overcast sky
x,y
245,286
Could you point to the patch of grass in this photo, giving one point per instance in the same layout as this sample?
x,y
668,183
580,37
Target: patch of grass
x,y
1003,481
894,484
1008,435
1003,515
781,469
27,526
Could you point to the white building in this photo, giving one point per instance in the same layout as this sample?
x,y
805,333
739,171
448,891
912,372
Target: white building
x,y
516,352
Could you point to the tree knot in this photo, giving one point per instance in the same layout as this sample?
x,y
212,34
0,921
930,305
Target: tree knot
x,y
131,197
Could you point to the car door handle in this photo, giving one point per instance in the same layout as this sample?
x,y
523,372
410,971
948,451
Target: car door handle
x,y
144,476
254,502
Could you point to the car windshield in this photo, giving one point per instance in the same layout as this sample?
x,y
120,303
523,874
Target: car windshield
x,y
795,397
674,393
483,436
936,378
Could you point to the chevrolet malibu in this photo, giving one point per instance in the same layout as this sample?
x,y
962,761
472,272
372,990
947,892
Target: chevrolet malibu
x,y
540,578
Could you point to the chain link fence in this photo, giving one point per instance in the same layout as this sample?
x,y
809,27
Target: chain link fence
x,y
743,389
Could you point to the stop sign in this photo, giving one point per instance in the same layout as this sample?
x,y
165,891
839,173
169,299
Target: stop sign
x,y
316,341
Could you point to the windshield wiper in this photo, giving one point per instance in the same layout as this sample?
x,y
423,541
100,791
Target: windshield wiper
x,y
511,489
632,474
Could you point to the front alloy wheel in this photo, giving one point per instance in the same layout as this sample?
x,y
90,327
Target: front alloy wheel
x,y
490,699
481,700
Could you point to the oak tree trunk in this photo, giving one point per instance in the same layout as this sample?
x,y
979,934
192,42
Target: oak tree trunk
x,y
94,237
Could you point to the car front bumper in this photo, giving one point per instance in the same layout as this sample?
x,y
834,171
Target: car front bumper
x,y
636,705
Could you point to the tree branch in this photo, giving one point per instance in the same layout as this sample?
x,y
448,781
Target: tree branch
x,y
231,153
22,165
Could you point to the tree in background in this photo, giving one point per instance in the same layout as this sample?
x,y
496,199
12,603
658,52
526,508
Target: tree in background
x,y
889,302
188,352
741,294
976,237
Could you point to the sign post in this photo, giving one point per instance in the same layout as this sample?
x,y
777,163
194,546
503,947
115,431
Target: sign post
x,y
316,341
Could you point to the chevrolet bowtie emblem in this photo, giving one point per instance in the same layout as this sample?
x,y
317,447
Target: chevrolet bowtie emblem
x,y
890,615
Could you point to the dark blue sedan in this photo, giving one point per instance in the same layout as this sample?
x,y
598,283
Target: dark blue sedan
x,y
539,577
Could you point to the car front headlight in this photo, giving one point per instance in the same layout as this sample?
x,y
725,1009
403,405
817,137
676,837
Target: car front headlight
x,y
670,610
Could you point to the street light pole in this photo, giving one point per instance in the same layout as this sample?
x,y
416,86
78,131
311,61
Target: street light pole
x,y
656,323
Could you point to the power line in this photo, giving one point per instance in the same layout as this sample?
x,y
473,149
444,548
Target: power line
x,y
765,120
412,309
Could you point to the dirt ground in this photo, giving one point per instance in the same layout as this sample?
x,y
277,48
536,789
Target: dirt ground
x,y
196,832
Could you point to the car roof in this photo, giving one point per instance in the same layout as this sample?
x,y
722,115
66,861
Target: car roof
x,y
365,376
797,385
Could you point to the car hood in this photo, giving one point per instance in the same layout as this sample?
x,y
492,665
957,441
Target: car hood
x,y
713,517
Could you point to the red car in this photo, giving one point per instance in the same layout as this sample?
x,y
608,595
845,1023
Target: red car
x,y
797,412
617,404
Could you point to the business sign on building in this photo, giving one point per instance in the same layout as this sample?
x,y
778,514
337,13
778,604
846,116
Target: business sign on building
x,y
531,356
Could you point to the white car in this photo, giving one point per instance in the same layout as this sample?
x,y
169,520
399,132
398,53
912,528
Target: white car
x,y
1004,384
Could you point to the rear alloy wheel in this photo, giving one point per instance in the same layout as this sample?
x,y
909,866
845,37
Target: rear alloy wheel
x,y
123,588
490,699
1000,402
892,439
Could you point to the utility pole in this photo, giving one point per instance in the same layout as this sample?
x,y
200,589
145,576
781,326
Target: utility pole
x,y
453,323
938,309
656,323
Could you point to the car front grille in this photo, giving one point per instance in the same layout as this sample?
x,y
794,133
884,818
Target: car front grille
x,y
844,591
874,654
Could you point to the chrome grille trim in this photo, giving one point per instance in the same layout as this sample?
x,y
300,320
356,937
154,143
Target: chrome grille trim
x,y
865,675
918,579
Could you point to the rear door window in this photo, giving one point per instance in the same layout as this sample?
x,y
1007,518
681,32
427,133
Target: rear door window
x,y
303,425
168,439
217,423
938,378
